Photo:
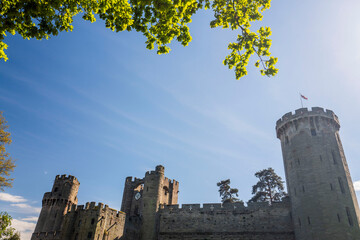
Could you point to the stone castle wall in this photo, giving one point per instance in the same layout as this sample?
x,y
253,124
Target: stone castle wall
x,y
227,221
93,222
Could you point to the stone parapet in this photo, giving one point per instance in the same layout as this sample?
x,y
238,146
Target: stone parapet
x,y
289,118
227,207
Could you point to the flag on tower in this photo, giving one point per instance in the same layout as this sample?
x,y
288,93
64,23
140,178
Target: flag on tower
x,y
303,97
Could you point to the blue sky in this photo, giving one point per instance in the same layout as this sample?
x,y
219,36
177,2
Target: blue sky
x,y
100,106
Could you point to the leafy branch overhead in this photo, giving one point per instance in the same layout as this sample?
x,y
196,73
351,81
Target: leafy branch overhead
x,y
160,21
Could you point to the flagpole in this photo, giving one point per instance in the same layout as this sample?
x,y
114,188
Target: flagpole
x,y
301,101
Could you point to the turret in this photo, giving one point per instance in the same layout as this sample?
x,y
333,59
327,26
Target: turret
x,y
142,199
323,201
153,184
56,203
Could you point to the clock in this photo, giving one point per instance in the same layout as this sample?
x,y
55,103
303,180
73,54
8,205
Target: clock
x,y
137,196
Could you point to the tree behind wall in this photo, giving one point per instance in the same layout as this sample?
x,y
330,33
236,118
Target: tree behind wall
x,y
6,162
269,188
227,194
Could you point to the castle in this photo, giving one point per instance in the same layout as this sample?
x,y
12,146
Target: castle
x,y
322,204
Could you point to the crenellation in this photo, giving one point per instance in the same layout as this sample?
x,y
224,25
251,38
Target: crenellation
x,y
174,182
238,207
65,177
301,116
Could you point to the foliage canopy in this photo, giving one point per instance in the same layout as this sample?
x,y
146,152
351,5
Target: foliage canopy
x,y
160,21
269,188
227,194
6,163
7,232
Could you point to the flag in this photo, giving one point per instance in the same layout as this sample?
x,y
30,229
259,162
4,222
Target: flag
x,y
303,97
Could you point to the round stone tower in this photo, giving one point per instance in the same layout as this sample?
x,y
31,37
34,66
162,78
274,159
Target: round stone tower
x,y
153,183
56,203
323,200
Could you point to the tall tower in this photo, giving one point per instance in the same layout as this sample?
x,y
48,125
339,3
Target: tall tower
x,y
323,200
56,203
142,199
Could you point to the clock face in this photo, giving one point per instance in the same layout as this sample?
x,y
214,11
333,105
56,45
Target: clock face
x,y
137,196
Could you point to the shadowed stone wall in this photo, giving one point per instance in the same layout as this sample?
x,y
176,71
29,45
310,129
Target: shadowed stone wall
x,y
258,221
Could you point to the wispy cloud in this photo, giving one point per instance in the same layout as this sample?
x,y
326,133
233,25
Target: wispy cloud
x,y
357,186
30,219
25,228
6,197
26,207
18,204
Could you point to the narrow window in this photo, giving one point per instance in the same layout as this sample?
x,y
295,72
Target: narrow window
x,y
147,189
349,216
303,188
333,156
92,221
317,122
338,217
79,223
56,189
341,185
298,160
320,158
299,222
313,132
309,220
312,122
286,139
331,187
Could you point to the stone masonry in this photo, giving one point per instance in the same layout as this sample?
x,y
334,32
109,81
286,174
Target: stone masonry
x,y
322,204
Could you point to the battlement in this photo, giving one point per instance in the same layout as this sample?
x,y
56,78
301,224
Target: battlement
x,y
65,177
91,206
237,207
171,181
136,181
159,169
305,113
